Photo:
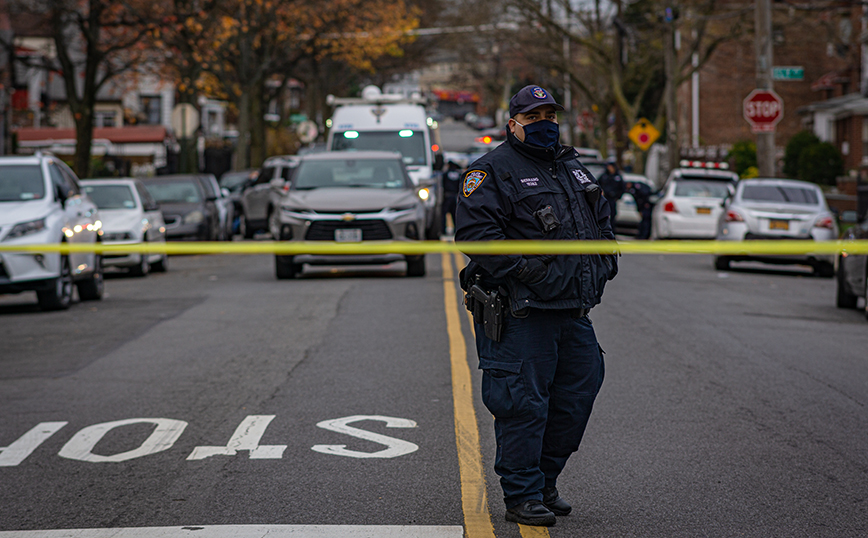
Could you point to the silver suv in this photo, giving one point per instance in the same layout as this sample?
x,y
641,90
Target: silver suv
x,y
256,199
41,202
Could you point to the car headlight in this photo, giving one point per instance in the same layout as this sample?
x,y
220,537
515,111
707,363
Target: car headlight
x,y
26,228
424,194
195,217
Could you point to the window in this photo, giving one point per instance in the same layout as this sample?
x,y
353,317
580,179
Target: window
x,y
105,118
21,183
151,109
111,196
702,189
61,182
780,194
355,173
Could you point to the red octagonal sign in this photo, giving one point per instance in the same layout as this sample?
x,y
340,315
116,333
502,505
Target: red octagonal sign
x,y
763,109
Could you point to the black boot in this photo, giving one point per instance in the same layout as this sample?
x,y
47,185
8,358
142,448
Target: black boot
x,y
553,502
532,512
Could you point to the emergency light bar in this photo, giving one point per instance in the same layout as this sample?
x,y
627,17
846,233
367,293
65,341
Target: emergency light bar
x,y
704,164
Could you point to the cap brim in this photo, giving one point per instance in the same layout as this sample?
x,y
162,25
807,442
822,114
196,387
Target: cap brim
x,y
530,107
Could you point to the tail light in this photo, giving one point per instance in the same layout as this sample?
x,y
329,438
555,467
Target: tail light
x,y
733,216
824,222
669,207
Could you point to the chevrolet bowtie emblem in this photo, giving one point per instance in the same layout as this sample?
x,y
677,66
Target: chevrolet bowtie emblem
x,y
347,217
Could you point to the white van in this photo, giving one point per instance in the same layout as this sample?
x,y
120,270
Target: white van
x,y
392,122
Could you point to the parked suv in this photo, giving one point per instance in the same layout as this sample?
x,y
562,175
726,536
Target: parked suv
x,y
255,198
41,202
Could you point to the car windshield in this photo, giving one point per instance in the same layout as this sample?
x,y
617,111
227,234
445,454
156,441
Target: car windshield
x,y
21,183
174,192
409,143
111,196
368,173
234,180
780,194
702,189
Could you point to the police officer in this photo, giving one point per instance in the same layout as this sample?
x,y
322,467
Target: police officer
x,y
613,188
641,193
542,371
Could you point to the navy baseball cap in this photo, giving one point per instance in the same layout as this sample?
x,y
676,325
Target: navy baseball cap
x,y
530,97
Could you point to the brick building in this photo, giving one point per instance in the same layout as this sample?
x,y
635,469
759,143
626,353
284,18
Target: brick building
x,y
824,45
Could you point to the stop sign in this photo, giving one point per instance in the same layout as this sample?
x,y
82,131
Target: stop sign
x,y
763,109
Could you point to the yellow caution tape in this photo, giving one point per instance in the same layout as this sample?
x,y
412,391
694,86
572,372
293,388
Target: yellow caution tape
x,y
771,247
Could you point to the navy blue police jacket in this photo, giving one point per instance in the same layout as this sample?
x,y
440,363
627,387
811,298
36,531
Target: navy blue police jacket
x,y
502,193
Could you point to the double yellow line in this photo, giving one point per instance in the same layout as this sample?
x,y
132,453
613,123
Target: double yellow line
x,y
474,502
411,248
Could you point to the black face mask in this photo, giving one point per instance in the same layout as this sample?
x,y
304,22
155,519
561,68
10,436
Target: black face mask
x,y
543,133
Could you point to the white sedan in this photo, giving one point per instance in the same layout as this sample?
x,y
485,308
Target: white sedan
x,y
130,216
689,209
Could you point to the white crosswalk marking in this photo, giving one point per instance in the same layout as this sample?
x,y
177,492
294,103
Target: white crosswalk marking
x,y
252,531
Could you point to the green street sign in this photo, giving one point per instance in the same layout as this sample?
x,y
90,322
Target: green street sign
x,y
788,72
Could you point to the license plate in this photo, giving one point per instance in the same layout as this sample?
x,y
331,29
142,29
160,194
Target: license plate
x,y
703,211
348,235
779,225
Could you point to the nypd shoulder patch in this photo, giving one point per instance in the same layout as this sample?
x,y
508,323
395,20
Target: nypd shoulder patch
x,y
472,180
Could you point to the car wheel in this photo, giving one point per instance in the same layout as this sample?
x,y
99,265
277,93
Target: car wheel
x,y
59,295
415,266
824,270
143,268
244,228
162,265
92,288
844,299
721,263
284,269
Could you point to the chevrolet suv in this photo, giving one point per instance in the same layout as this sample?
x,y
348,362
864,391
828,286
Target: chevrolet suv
x,y
41,202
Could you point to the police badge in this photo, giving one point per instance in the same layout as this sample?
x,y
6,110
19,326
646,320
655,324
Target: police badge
x,y
472,180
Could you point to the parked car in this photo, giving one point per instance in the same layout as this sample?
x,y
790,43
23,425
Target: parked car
x,y
589,154
851,271
255,198
628,215
235,183
350,197
778,209
225,208
690,206
130,216
41,202
189,214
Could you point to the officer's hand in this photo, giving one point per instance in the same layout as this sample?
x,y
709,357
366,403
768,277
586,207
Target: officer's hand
x,y
532,271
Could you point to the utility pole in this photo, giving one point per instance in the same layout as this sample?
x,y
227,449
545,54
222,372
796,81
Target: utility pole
x,y
765,141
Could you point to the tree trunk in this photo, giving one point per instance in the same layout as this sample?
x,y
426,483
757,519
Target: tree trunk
x,y
83,140
242,150
257,125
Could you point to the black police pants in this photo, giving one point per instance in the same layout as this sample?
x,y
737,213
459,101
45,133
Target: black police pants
x,y
539,382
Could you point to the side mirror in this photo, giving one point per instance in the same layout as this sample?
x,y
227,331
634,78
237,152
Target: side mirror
x,y
277,183
225,192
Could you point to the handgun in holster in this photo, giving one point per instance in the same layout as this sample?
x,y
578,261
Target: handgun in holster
x,y
488,308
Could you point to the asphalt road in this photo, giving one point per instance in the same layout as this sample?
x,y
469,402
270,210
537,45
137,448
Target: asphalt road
x,y
734,404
